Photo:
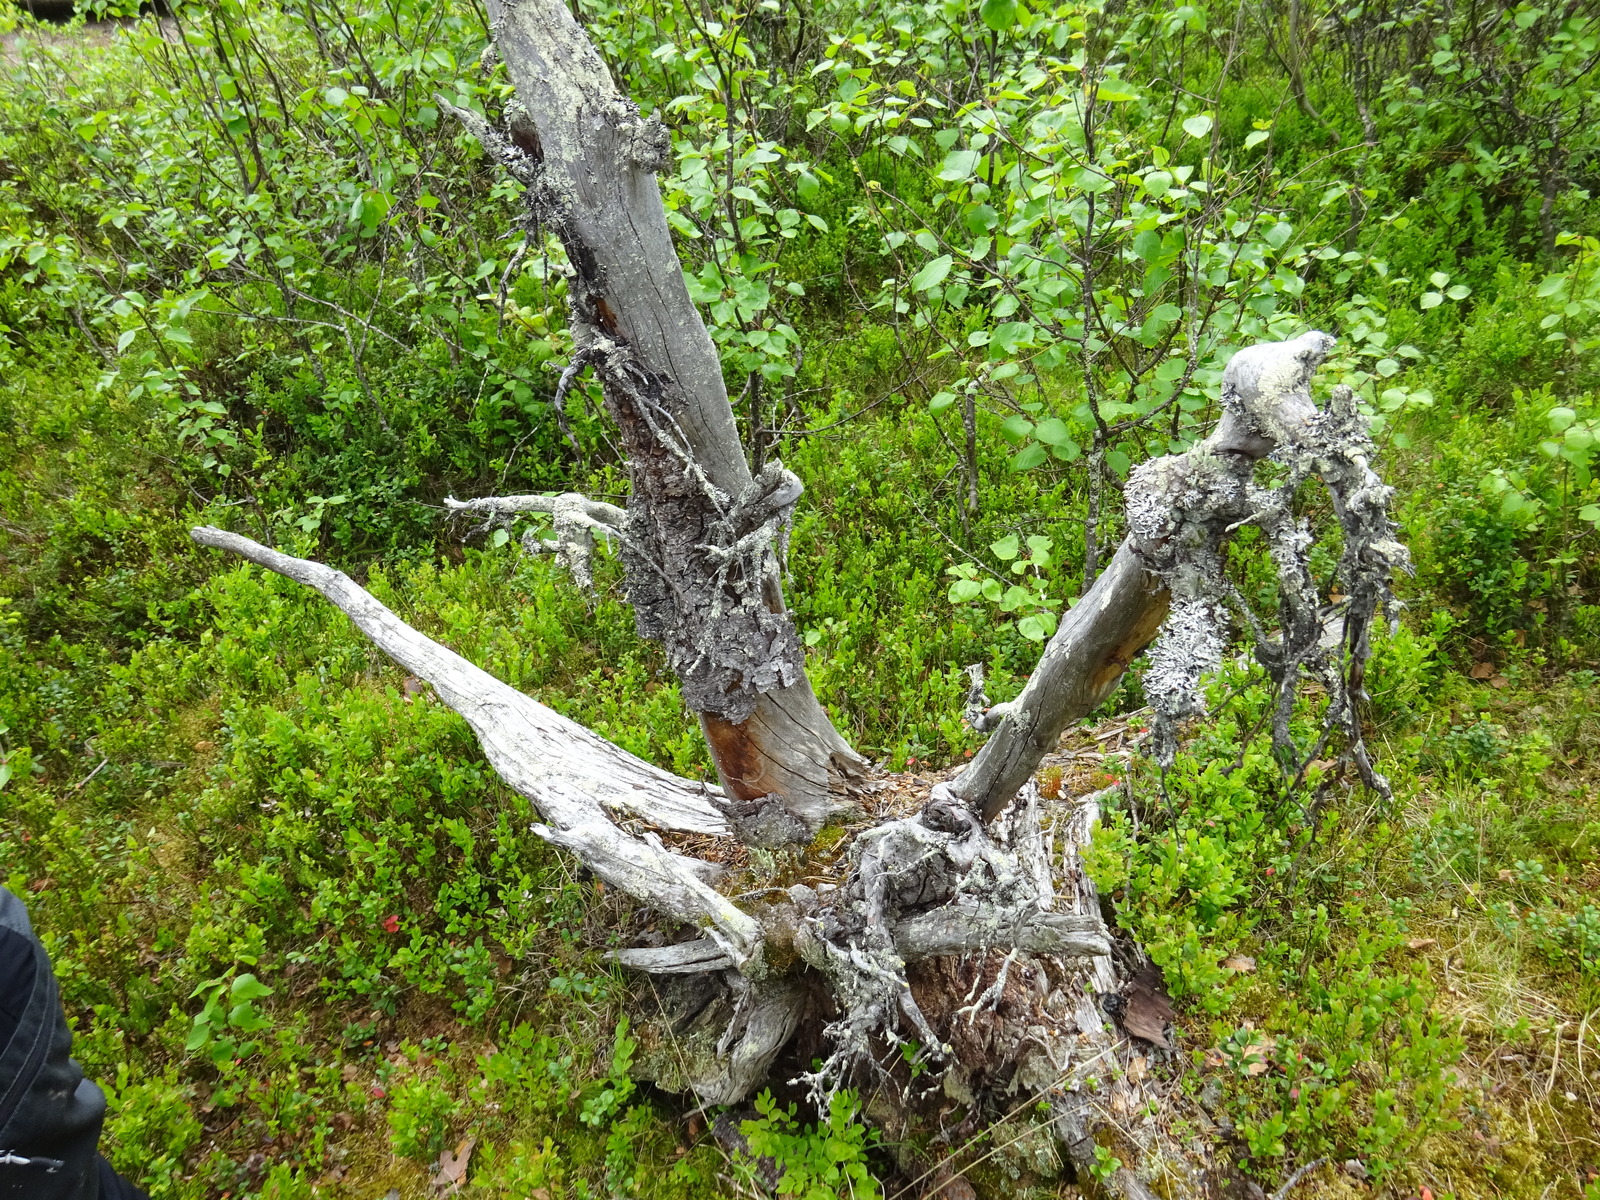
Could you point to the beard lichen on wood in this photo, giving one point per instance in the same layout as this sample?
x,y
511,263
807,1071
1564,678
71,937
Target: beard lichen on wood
x,y
1182,509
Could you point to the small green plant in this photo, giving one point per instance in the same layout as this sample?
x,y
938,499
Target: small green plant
x,y
819,1162
1027,597
224,1026
614,1090
1105,1165
420,1110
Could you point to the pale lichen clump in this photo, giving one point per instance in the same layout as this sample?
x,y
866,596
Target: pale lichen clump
x,y
1182,509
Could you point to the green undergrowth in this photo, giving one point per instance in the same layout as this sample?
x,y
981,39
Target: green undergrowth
x,y
305,937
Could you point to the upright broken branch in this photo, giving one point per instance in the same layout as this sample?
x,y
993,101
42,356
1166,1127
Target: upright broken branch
x,y
702,538
1182,511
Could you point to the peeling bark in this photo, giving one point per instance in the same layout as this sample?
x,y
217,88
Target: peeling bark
x,y
703,539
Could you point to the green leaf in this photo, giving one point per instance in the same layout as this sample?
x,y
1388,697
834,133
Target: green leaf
x,y
1431,300
1067,451
1119,462
1052,431
1012,334
1028,457
1459,292
500,538
992,590
808,186
933,274
1157,184
1591,513
1147,245
1256,137
1006,548
1031,628
1561,417
961,591
941,401
248,987
1115,91
1015,428
959,165
1387,367
999,15
1016,596
1198,127
245,1017
1279,234
1438,279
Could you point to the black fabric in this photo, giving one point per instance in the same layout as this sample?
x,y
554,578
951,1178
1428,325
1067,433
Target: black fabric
x,y
16,982
114,1186
48,1110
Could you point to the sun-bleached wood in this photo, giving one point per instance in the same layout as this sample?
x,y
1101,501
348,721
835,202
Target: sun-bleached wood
x,y
571,775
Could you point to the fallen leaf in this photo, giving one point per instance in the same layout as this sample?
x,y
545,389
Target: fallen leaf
x,y
1255,1058
1138,1068
1504,875
412,687
954,1188
1499,681
348,1072
1147,1009
1422,943
1242,963
1426,1194
1481,670
452,1169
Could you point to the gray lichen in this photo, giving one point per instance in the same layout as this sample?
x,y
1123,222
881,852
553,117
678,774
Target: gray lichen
x,y
1183,508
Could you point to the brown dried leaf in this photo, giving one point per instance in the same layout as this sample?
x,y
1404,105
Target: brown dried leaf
x,y
1481,670
1422,943
954,1188
452,1169
1242,963
1147,1009
1499,681
1257,1057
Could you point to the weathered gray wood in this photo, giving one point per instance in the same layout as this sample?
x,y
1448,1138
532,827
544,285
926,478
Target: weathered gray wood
x,y
1181,510
698,541
953,929
961,929
569,773
1093,645
684,958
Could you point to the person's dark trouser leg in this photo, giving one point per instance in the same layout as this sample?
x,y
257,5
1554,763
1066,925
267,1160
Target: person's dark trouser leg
x,y
50,1115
